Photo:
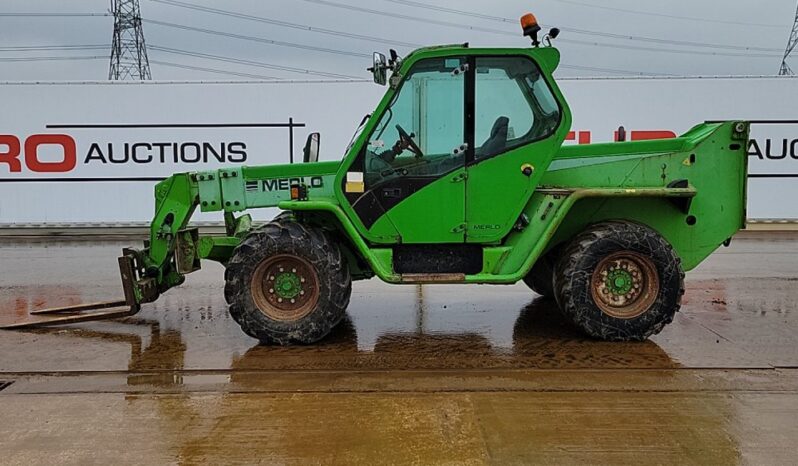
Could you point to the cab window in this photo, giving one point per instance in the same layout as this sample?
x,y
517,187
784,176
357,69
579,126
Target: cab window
x,y
429,110
514,105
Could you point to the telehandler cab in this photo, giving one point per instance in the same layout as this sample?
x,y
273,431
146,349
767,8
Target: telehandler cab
x,y
459,176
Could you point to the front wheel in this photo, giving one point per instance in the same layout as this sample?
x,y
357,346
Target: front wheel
x,y
619,281
287,283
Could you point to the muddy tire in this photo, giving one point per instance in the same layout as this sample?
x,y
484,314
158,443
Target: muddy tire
x,y
619,281
287,284
541,278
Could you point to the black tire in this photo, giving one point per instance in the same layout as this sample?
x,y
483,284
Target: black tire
x,y
321,259
649,272
541,278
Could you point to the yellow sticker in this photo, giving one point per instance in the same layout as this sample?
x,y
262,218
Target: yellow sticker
x,y
355,187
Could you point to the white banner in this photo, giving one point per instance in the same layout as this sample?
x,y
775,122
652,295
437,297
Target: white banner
x,y
659,107
91,152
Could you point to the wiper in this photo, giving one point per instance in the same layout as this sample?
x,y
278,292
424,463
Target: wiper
x,y
357,131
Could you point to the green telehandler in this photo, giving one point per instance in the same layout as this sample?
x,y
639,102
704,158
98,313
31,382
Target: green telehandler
x,y
460,175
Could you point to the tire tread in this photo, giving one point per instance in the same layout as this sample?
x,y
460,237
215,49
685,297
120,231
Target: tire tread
x,y
569,274
285,235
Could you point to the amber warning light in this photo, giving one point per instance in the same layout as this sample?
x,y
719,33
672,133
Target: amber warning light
x,y
531,27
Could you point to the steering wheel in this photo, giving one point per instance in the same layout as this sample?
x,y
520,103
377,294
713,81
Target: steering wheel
x,y
406,140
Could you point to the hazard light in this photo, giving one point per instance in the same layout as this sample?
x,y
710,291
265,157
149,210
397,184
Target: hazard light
x,y
531,27
530,24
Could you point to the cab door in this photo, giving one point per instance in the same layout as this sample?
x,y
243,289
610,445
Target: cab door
x,y
517,131
418,192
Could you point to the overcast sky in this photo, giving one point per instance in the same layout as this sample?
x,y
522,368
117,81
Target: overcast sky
x,y
755,32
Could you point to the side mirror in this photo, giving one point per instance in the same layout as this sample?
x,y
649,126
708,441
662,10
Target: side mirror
x,y
380,69
311,150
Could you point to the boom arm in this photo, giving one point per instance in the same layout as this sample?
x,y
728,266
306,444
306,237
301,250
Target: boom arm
x,y
174,249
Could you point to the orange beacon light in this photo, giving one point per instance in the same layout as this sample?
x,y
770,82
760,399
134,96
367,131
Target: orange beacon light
x,y
531,27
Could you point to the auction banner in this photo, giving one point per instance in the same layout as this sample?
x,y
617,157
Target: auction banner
x,y
91,152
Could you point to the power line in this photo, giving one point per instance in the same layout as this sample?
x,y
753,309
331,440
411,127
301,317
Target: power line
x,y
24,59
608,35
180,4
211,70
286,24
681,43
177,3
454,11
411,18
791,43
54,15
36,48
363,55
274,80
258,39
240,61
679,52
611,70
661,15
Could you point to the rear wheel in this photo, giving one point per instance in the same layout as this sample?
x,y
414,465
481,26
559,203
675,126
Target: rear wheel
x,y
287,284
619,281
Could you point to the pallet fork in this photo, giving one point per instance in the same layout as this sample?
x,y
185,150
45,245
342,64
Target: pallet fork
x,y
102,311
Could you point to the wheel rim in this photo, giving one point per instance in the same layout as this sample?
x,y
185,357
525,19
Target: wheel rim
x,y
285,287
625,285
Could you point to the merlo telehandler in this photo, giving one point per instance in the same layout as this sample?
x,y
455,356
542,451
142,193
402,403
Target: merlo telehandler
x,y
460,175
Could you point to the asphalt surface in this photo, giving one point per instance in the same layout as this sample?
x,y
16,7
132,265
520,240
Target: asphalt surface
x,y
425,375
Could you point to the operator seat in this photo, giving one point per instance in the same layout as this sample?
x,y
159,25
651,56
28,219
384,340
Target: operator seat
x,y
497,141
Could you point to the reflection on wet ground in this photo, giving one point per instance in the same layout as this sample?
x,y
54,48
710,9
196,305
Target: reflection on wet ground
x,y
434,374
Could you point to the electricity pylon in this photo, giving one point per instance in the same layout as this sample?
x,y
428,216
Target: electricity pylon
x,y
128,51
785,68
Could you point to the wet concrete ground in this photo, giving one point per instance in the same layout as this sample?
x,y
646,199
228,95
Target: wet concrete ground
x,y
425,375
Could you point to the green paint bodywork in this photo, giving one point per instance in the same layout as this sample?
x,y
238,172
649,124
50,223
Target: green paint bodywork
x,y
691,189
